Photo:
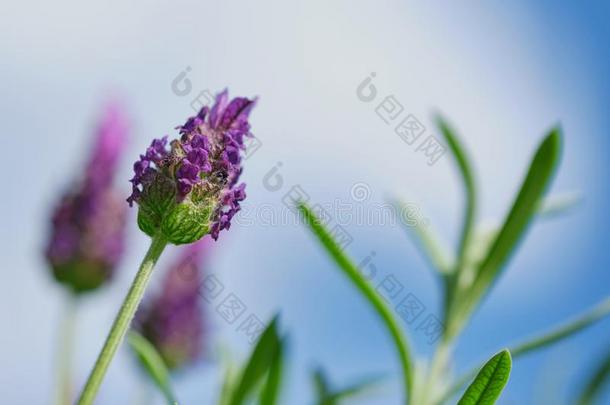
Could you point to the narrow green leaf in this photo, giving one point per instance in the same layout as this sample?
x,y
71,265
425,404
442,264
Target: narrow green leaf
x,y
537,180
153,364
463,163
570,328
556,205
322,386
260,360
378,303
356,388
226,388
549,338
489,383
271,390
426,239
327,396
598,380
460,269
321,383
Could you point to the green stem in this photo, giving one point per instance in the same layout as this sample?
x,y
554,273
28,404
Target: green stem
x,y
122,321
66,345
436,372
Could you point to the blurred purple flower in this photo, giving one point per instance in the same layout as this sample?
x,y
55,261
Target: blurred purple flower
x,y
173,320
202,169
87,233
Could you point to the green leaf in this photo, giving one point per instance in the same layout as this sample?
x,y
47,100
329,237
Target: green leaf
x,y
226,388
153,364
600,311
539,176
556,205
426,239
537,180
489,383
463,163
326,396
271,389
356,389
551,337
257,366
378,303
322,387
598,380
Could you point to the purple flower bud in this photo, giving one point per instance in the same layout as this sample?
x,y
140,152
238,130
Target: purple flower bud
x,y
173,320
190,189
87,233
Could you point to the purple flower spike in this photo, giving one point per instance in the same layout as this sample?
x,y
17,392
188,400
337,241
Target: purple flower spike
x,y
110,142
173,320
190,188
87,233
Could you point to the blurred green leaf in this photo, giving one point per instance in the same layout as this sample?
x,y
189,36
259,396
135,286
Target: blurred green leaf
x,y
463,163
537,180
322,386
426,239
551,337
327,396
378,303
599,378
470,191
260,360
153,364
356,389
271,389
557,205
225,389
489,383
228,381
600,311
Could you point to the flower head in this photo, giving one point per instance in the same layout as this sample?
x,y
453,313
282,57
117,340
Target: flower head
x,y
173,320
87,232
189,188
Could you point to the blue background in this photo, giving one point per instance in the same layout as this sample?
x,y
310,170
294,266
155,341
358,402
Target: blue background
x,y
503,74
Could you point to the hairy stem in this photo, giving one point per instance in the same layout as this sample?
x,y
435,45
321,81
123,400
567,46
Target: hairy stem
x,y
122,321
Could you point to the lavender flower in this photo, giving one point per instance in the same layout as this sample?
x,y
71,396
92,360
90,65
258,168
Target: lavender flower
x,y
87,233
172,321
190,189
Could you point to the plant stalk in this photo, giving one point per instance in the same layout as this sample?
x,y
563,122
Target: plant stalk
x,y
122,320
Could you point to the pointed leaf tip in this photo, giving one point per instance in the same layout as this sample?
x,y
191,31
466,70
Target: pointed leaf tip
x,y
539,176
489,383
